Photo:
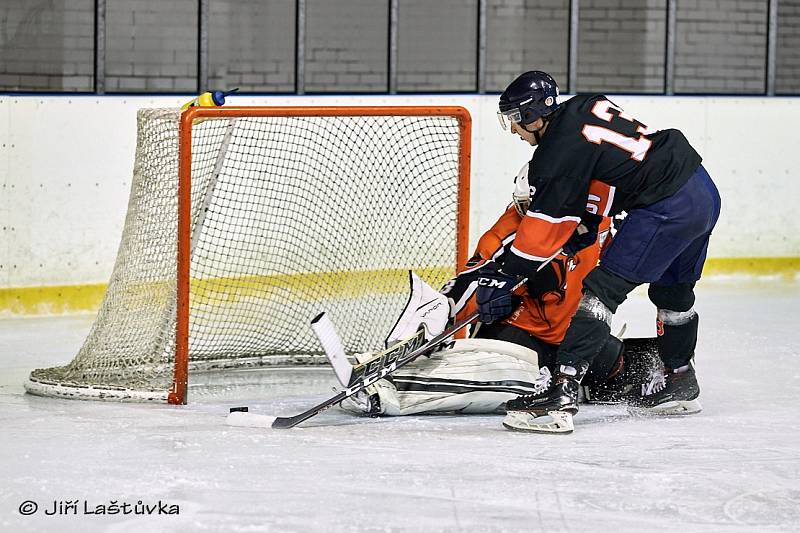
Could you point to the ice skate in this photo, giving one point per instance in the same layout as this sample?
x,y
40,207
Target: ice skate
x,y
671,392
366,402
550,411
641,362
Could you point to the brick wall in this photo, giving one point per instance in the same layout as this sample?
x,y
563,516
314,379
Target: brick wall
x,y
788,48
526,35
151,46
346,46
721,46
437,45
47,45
621,46
251,45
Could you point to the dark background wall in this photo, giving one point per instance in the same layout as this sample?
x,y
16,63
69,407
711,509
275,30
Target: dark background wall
x,y
388,46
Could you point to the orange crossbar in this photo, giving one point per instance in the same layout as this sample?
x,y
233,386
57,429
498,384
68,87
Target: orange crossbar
x,y
177,393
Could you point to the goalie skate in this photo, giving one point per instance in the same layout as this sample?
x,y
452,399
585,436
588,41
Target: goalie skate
x,y
367,401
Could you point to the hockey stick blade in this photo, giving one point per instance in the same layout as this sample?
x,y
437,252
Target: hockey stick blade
x,y
346,372
332,346
381,366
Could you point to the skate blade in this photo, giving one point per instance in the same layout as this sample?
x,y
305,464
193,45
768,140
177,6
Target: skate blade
x,y
557,422
675,408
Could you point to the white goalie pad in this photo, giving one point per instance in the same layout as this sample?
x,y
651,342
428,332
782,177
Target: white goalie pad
x,y
426,307
473,376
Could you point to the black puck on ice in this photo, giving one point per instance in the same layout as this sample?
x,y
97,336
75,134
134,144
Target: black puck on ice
x,y
239,409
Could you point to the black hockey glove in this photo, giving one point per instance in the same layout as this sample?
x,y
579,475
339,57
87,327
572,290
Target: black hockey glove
x,y
494,297
584,235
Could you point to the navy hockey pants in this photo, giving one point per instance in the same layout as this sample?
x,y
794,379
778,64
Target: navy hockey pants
x,y
663,244
666,242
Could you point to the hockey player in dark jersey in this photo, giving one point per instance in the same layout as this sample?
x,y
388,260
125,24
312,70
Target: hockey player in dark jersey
x,y
671,204
513,356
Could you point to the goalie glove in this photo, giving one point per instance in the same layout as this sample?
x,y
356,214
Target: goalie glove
x,y
494,296
426,308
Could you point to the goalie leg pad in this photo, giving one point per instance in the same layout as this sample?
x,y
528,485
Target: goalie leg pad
x,y
472,376
377,399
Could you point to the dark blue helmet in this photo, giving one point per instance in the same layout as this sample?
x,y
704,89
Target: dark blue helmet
x,y
532,95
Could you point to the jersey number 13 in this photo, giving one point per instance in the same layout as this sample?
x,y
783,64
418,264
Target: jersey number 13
x,y
637,147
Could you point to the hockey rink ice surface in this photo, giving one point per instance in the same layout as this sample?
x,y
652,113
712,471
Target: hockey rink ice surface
x,y
733,467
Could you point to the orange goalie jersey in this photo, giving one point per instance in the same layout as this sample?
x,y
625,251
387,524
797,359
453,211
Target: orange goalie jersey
x,y
550,300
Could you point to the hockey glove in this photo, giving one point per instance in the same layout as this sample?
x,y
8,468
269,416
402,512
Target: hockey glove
x,y
494,297
584,235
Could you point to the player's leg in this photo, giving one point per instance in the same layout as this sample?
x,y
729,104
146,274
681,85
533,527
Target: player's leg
x,y
588,334
648,242
675,391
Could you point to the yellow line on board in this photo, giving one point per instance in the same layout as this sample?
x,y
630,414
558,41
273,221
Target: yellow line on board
x,y
64,299
310,286
785,267
52,300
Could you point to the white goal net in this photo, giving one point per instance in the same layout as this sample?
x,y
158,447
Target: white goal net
x,y
244,223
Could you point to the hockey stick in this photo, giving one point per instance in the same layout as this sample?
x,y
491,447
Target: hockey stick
x,y
383,364
346,372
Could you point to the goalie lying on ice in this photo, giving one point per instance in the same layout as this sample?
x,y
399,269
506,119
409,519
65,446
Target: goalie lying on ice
x,y
507,358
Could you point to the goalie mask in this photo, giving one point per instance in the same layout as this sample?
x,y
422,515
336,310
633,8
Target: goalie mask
x,y
522,191
532,95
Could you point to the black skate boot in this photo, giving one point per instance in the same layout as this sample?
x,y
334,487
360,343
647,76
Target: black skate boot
x,y
671,392
550,411
613,391
640,361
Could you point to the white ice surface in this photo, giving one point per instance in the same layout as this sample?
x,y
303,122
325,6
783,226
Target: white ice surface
x,y
734,467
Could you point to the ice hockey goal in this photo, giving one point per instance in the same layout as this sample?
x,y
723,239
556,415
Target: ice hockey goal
x,y
244,223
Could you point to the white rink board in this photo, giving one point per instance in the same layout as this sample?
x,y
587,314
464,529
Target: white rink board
x,y
67,162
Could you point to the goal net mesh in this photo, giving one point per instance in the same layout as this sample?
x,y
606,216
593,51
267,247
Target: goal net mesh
x,y
290,216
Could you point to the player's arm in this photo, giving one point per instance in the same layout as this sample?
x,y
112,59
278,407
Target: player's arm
x,y
492,248
552,217
495,243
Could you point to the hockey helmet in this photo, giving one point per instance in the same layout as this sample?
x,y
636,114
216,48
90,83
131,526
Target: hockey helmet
x,y
532,95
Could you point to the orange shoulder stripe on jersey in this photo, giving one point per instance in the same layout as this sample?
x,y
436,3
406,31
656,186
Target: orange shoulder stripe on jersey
x,y
539,238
